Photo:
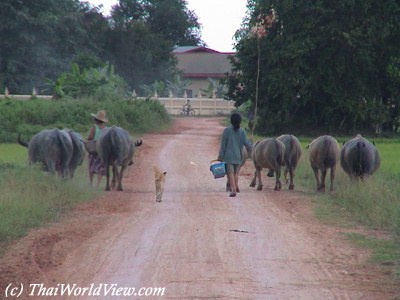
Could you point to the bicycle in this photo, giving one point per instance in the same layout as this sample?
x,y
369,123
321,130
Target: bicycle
x,y
187,111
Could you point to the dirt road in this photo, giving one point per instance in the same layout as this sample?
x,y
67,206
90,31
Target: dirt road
x,y
199,243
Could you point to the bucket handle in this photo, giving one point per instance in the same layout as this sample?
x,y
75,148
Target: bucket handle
x,y
214,160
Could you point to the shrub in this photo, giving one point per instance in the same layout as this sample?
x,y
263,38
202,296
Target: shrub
x,y
29,117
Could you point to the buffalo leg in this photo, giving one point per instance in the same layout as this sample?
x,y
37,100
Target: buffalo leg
x,y
120,175
316,174
285,175
332,177
322,183
51,167
278,184
291,176
115,177
107,177
253,182
260,185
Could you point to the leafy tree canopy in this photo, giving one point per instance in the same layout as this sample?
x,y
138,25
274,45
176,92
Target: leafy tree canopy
x,y
40,39
325,65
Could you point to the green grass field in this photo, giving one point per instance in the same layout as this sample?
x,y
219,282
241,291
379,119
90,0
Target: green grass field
x,y
30,197
374,203
13,154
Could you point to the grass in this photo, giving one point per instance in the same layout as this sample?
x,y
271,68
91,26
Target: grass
x,y
384,251
30,198
12,154
374,203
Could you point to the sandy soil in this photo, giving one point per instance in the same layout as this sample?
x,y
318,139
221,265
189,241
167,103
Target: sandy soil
x,y
198,243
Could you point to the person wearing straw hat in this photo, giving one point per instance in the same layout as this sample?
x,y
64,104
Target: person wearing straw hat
x,y
95,164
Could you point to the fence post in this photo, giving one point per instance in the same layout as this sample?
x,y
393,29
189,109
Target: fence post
x,y
215,106
171,103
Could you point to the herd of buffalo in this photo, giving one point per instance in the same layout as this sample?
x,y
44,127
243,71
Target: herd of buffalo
x,y
62,151
358,157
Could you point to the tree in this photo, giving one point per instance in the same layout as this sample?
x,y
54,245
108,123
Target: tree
x,y
100,83
143,36
323,64
39,39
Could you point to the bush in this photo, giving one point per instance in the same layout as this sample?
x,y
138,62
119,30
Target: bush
x,y
30,117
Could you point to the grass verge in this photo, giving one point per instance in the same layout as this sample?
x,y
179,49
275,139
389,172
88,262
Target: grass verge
x,y
374,203
31,198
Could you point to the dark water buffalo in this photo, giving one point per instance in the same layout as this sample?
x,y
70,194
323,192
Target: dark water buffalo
x,y
245,156
359,158
324,154
268,153
115,148
52,148
292,156
78,151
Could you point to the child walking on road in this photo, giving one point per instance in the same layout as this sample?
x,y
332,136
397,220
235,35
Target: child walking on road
x,y
232,142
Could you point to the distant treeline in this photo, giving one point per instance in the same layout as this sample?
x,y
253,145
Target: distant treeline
x,y
323,65
42,39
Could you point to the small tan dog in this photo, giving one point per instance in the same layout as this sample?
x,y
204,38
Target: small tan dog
x,y
159,180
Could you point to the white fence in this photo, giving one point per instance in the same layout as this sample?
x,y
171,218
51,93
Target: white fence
x,y
174,106
201,106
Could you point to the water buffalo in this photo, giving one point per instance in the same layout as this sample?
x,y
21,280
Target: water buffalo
x,y
115,148
268,153
324,154
359,158
78,152
52,148
292,156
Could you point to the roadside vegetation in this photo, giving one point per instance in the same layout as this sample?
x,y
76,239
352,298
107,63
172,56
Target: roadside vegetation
x,y
30,197
30,117
374,203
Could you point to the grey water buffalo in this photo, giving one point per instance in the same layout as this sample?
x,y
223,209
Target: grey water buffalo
x,y
268,153
52,148
115,148
292,156
78,151
324,155
359,158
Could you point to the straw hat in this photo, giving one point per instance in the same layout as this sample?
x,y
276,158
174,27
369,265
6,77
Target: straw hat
x,y
101,116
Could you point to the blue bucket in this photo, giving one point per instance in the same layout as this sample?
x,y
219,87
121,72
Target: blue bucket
x,y
218,169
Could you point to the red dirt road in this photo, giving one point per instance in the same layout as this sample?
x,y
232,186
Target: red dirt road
x,y
197,243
